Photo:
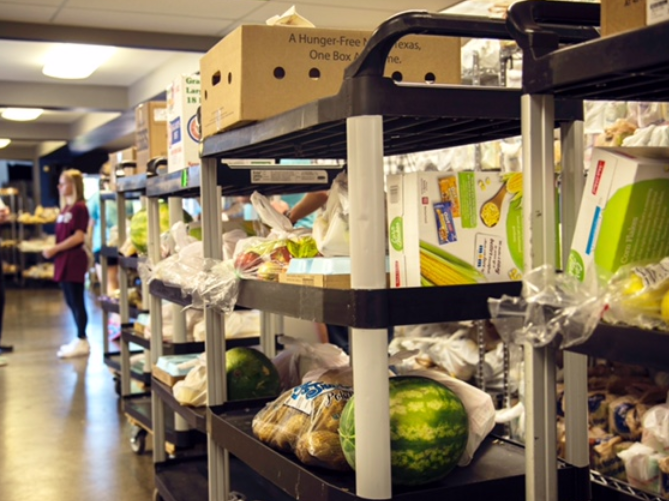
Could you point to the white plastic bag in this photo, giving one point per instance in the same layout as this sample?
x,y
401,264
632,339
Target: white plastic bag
x,y
299,358
479,406
192,390
642,467
331,230
656,428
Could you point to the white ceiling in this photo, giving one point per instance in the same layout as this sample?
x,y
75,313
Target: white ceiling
x,y
133,75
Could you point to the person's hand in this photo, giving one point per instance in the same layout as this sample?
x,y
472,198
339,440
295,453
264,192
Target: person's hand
x,y
49,253
4,214
280,206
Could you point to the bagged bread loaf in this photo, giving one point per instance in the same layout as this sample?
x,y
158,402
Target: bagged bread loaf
x,y
305,421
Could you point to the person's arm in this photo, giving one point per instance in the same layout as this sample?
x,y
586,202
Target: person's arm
x,y
4,212
74,240
310,202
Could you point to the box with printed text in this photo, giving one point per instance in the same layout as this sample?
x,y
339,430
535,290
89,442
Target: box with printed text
x,y
183,99
256,72
624,213
150,132
455,228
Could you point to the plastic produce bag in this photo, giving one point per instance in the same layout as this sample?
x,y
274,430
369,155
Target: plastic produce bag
x,y
642,467
305,421
331,230
551,304
656,428
479,406
300,357
217,285
265,258
192,390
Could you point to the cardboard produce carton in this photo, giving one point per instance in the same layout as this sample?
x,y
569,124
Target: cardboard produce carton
x,y
625,15
183,99
624,213
259,71
150,132
453,228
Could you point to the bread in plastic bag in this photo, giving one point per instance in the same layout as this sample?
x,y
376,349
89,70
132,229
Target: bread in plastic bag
x,y
305,421
604,458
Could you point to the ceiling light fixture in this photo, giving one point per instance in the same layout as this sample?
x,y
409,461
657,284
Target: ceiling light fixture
x,y
4,143
76,61
21,114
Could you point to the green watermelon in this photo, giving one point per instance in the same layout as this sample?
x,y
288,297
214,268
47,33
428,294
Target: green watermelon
x,y
428,430
250,374
139,226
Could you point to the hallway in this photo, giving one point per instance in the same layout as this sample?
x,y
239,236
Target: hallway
x,y
62,435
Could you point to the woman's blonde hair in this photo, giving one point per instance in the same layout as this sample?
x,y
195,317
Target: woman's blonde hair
x,y
77,182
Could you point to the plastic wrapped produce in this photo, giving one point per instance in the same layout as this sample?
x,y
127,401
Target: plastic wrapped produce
x,y
656,428
305,421
642,467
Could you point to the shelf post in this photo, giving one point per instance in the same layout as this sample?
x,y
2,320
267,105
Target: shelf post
x,y
123,301
539,235
103,274
575,364
155,307
212,227
368,271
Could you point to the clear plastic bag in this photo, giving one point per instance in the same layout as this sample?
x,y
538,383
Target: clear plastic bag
x,y
331,230
192,390
299,358
655,432
552,304
217,285
305,421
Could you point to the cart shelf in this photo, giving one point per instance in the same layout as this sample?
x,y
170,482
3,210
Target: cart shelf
x,y
187,480
139,409
630,345
129,335
130,263
109,251
373,309
113,361
630,66
159,289
129,184
194,416
498,467
113,307
622,491
108,196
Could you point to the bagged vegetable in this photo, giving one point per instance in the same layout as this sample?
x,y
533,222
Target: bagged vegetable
x,y
265,258
305,421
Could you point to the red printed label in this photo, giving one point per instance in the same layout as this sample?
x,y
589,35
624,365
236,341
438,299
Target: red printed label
x,y
397,274
598,176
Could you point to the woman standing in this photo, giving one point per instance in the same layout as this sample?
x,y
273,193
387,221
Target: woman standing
x,y
71,260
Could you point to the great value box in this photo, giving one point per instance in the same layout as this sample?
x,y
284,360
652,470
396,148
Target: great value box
x,y
626,15
183,99
624,213
150,132
448,228
259,71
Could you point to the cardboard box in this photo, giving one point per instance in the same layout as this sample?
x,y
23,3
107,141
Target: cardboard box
x,y
323,281
183,99
448,228
624,213
618,16
150,132
129,154
259,71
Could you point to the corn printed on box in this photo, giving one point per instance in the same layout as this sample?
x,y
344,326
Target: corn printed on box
x,y
624,213
454,228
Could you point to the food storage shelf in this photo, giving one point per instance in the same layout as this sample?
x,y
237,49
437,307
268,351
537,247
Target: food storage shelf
x,y
194,416
497,471
630,66
113,361
629,345
245,179
108,251
604,487
139,409
129,263
136,183
374,309
108,196
129,335
113,307
187,480
159,289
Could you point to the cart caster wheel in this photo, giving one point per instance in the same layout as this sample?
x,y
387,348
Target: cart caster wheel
x,y
117,386
156,495
138,441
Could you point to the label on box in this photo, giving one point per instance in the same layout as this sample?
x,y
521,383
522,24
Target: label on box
x,y
284,176
489,250
160,115
656,11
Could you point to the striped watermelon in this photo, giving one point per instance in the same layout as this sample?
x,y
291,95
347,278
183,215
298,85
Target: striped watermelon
x,y
250,374
428,430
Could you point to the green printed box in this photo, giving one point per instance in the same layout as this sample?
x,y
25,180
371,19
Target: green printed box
x,y
448,228
624,214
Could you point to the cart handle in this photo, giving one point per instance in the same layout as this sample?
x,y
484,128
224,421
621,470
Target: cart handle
x,y
372,60
524,17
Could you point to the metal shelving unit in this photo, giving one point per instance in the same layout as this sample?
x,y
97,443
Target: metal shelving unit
x,y
370,117
630,66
